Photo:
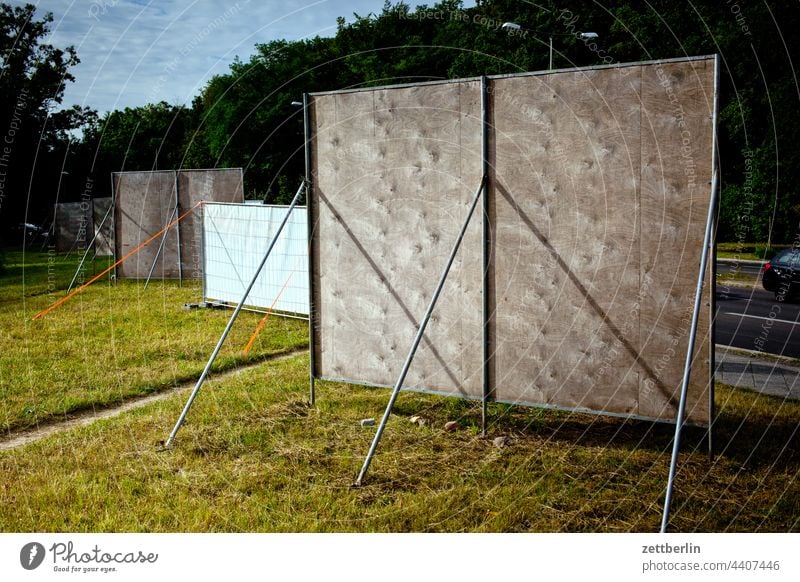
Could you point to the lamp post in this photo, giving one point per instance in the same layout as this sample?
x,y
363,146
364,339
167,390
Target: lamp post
x,y
580,35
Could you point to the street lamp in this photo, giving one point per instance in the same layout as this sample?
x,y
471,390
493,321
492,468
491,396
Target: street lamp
x,y
580,35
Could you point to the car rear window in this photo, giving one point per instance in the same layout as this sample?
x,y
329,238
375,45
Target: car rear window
x,y
787,258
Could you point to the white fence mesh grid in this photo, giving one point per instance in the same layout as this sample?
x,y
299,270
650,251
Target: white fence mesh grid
x,y
235,238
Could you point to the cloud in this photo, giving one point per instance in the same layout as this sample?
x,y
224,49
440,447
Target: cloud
x,y
138,51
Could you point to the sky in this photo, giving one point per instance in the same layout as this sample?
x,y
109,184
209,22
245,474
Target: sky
x,y
134,52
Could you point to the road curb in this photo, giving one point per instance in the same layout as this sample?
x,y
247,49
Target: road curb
x,y
756,355
755,284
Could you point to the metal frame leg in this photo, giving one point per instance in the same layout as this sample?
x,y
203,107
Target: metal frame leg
x,y
485,258
420,332
687,369
228,327
312,395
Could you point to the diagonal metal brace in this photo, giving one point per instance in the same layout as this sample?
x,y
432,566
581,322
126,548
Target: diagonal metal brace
x,y
228,327
420,332
687,370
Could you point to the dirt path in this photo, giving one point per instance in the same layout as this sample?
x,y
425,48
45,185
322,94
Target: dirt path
x,y
21,438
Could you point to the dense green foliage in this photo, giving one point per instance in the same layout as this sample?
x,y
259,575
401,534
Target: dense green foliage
x,y
34,139
245,117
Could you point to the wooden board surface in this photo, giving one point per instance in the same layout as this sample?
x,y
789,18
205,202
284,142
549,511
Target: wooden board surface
x,y
222,185
144,204
73,226
677,129
565,204
104,232
394,173
597,207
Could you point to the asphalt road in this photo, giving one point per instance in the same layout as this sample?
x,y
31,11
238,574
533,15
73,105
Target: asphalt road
x,y
753,320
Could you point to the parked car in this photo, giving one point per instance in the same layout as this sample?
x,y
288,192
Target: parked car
x,y
782,274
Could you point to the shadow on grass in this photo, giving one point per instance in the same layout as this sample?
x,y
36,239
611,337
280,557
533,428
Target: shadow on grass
x,y
756,440
755,431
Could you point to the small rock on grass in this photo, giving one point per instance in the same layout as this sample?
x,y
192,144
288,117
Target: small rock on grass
x,y
367,422
451,426
502,442
418,420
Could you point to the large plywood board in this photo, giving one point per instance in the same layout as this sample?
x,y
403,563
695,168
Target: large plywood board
x,y
599,187
600,209
677,100
220,185
73,225
394,172
146,203
565,203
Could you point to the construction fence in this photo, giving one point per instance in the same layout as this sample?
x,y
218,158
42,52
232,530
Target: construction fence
x,y
574,284
146,202
235,239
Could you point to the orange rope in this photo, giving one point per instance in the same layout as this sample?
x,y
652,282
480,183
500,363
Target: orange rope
x,y
266,315
131,253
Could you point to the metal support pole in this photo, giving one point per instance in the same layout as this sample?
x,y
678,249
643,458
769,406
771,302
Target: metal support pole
x,y
550,67
713,275
203,252
114,224
687,369
712,362
86,252
420,332
178,232
486,253
312,398
228,327
171,218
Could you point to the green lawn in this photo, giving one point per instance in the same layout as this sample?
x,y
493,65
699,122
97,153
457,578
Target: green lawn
x,y
748,251
253,456
109,342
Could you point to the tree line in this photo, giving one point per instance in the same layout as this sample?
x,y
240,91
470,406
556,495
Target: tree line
x,y
245,117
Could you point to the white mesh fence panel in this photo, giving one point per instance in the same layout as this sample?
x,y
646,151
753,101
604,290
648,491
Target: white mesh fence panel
x,y
235,238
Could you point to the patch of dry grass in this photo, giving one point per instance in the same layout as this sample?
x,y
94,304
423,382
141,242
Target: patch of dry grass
x,y
254,456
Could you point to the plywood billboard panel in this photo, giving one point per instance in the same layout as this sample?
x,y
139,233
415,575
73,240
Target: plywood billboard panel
x,y
677,101
597,209
395,171
566,174
220,185
73,225
146,203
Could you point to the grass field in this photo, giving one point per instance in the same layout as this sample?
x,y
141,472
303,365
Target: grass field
x,y
253,456
109,342
748,251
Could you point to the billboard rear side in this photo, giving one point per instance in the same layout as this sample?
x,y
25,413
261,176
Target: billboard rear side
x,y
599,189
